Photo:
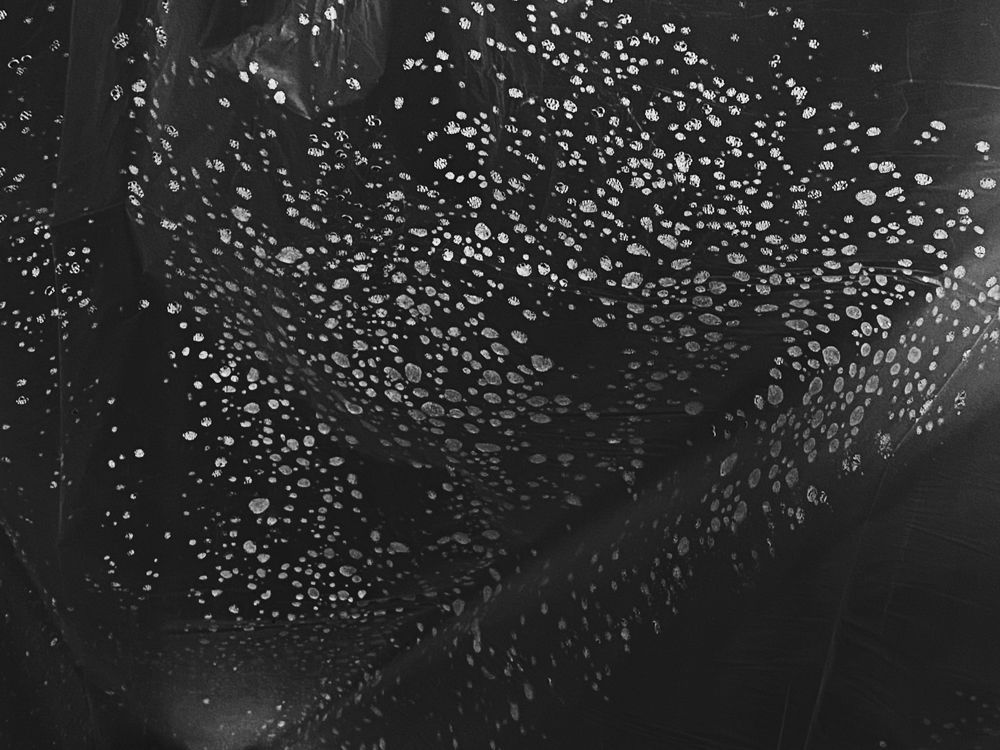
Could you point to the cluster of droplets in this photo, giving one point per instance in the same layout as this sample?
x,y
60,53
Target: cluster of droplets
x,y
533,272
431,307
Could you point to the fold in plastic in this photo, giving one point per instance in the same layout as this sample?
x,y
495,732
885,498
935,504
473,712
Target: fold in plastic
x,y
315,55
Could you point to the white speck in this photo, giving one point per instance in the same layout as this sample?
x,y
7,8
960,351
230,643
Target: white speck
x,y
540,363
632,280
865,197
775,395
727,465
289,254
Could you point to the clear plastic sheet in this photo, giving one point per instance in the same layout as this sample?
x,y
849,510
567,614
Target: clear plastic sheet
x,y
460,374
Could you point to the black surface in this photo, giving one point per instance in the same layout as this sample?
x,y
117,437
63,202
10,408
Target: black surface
x,y
689,499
